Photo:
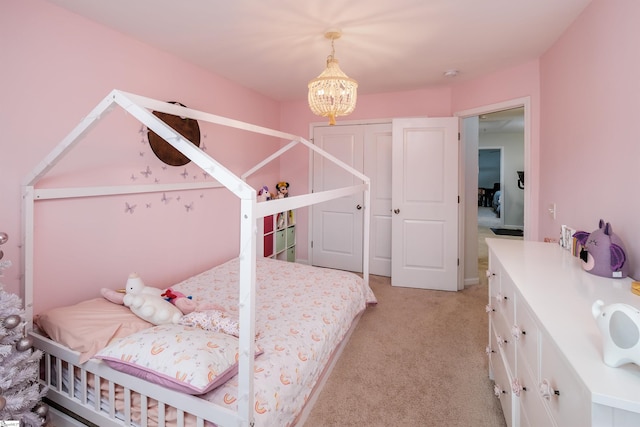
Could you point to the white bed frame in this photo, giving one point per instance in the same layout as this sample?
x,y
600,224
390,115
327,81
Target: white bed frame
x,y
250,212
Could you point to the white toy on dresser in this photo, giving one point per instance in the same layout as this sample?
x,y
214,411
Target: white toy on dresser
x,y
620,328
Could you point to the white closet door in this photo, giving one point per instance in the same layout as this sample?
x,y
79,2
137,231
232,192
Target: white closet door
x,y
425,203
377,166
338,224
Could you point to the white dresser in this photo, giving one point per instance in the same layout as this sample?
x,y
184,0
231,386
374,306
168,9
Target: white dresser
x,y
545,350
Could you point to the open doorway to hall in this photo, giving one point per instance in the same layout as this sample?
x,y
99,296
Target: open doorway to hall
x,y
500,154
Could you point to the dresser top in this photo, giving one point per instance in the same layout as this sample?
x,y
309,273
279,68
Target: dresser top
x,y
560,293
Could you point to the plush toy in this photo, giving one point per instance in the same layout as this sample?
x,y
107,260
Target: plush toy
x,y
117,297
148,304
603,252
619,325
180,300
264,194
184,303
283,190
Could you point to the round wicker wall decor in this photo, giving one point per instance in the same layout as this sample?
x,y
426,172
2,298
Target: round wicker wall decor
x,y
186,127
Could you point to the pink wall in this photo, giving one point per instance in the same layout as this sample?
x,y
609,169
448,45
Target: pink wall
x,y
56,66
589,151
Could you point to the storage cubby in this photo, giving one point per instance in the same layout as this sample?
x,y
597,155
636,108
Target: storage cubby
x,y
279,236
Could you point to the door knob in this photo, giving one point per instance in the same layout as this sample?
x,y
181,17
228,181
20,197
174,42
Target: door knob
x,y
358,207
396,211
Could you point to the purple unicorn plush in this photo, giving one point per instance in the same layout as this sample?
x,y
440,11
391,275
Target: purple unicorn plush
x,y
603,252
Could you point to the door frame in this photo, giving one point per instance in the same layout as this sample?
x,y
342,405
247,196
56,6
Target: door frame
x,y
530,229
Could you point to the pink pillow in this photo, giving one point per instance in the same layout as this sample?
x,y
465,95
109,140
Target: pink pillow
x,y
89,326
183,358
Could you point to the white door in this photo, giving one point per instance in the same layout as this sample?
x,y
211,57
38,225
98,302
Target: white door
x,y
377,166
367,148
425,203
338,224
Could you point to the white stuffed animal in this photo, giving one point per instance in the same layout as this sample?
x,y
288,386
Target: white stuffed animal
x,y
148,304
620,328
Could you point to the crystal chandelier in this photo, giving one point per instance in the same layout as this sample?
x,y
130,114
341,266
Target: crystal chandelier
x,y
332,93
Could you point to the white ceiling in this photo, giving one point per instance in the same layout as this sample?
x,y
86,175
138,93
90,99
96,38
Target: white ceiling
x,y
276,46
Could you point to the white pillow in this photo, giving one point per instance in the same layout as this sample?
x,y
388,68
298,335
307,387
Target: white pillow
x,y
187,359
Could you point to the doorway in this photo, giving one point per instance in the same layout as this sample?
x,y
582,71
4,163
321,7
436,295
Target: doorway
x,y
475,125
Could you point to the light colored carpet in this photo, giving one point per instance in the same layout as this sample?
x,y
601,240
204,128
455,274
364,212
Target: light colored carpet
x,y
416,359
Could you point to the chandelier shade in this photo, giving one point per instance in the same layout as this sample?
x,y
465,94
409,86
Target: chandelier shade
x,y
332,93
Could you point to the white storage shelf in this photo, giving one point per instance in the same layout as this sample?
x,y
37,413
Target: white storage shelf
x,y
545,350
279,236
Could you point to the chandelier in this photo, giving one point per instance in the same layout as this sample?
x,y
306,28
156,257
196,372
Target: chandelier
x,y
332,93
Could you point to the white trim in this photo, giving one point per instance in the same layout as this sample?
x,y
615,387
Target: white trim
x,y
530,229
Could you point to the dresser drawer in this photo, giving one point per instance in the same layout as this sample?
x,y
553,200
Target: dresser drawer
x,y
506,298
533,411
526,336
501,290
502,388
567,400
505,342
492,351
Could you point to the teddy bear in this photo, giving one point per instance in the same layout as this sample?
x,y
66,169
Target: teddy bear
x,y
283,190
147,302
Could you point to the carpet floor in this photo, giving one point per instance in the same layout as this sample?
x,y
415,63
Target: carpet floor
x,y
416,359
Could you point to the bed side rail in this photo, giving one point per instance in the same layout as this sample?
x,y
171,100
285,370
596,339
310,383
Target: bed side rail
x,y
75,386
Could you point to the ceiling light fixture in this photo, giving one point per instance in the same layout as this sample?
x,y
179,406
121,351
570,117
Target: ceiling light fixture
x,y
451,73
332,93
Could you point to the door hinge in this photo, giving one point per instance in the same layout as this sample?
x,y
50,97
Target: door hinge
x,y
459,136
458,262
312,244
458,199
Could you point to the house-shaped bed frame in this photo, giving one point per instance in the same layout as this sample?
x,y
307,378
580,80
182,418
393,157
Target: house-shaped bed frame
x,y
142,109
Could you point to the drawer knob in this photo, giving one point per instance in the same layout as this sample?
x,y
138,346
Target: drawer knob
x,y
489,274
500,297
498,391
501,341
547,391
516,387
488,350
517,332
488,308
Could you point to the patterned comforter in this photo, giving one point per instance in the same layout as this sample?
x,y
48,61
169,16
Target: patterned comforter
x,y
302,314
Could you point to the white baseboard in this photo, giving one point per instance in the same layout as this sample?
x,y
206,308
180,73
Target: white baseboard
x,y
472,281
